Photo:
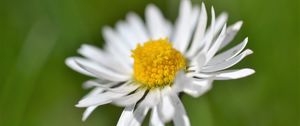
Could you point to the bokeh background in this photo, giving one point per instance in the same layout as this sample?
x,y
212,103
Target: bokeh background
x,y
37,89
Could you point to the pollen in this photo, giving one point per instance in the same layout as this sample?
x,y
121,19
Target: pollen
x,y
156,63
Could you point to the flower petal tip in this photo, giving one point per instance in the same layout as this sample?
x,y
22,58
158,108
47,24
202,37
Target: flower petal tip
x,y
238,25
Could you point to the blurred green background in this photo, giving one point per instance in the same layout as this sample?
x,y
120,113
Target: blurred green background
x,y
37,89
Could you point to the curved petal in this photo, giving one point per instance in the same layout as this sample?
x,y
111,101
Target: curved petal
x,y
194,17
124,88
94,83
180,118
99,99
151,100
222,57
126,116
216,45
231,32
90,109
139,115
228,63
72,64
197,41
220,22
234,74
91,52
130,99
209,35
88,112
94,92
227,74
106,97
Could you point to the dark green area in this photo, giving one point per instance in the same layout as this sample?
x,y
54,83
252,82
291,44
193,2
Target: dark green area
x,y
37,89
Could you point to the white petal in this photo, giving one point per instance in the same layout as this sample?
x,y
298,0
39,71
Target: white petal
x,y
220,22
191,86
94,83
72,64
129,99
99,99
180,82
138,27
111,36
139,115
105,59
106,97
88,112
235,74
116,45
214,29
154,119
180,118
227,74
216,45
222,57
227,64
127,34
126,116
91,52
169,28
201,59
179,79
194,17
94,92
197,87
124,88
166,109
97,70
151,100
155,22
210,32
231,32
183,30
197,42
90,109
120,56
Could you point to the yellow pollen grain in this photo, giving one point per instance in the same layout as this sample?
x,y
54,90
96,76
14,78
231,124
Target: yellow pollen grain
x,y
156,63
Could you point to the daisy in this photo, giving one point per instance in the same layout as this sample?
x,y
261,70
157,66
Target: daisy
x,y
145,66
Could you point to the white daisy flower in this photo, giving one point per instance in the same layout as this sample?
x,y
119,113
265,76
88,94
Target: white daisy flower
x,y
144,66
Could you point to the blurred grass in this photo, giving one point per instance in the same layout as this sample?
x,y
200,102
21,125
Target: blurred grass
x,y
37,89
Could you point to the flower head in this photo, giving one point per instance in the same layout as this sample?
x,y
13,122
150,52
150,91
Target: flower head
x,y
144,66
156,63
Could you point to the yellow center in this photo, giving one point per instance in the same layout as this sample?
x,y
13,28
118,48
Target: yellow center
x,y
156,63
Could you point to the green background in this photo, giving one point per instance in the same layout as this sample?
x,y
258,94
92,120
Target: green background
x,y
37,89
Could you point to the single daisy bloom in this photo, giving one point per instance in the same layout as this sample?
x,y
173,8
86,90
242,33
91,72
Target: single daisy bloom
x,y
143,67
